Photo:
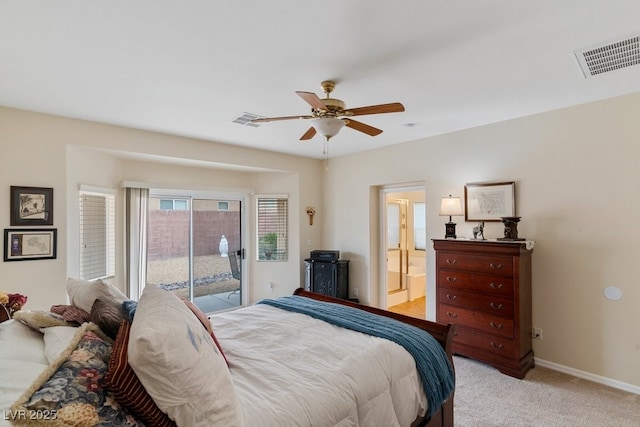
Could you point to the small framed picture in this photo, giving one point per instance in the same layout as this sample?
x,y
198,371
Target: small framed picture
x,y
31,206
23,244
489,201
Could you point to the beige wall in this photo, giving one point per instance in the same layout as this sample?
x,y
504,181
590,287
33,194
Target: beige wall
x,y
48,151
576,172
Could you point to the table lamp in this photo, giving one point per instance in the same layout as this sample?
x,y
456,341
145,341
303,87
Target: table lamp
x,y
450,206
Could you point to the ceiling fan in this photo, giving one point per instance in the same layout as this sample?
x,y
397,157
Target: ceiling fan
x,y
329,115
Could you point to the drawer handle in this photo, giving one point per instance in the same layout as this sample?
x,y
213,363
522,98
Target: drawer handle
x,y
496,266
496,346
451,261
498,326
452,297
452,315
498,286
496,306
451,279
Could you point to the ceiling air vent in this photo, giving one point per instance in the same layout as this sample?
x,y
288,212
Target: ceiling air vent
x,y
245,120
610,56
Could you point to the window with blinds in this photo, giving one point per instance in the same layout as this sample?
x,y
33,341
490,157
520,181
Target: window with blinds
x,y
419,227
97,235
272,216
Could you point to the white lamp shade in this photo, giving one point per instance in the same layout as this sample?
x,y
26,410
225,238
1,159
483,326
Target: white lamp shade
x,y
328,126
450,206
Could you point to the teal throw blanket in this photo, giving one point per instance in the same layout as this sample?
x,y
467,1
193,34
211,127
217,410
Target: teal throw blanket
x,y
433,365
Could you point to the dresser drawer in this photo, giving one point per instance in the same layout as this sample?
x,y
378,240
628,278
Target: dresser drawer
x,y
493,264
485,342
471,282
476,319
487,303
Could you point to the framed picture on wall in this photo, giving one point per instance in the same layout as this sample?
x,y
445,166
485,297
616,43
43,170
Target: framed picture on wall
x,y
489,201
23,244
31,206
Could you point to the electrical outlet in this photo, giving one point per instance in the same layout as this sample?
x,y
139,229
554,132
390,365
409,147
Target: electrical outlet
x,y
537,334
355,292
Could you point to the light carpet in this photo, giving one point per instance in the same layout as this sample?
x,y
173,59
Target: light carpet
x,y
486,398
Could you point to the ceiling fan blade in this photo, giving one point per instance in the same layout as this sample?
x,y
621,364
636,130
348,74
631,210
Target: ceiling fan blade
x,y
359,126
274,119
308,134
394,107
312,99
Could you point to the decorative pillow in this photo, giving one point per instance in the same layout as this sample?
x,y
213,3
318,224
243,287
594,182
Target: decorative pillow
x,y
57,340
206,323
71,313
178,363
70,391
36,319
107,316
129,308
82,293
127,388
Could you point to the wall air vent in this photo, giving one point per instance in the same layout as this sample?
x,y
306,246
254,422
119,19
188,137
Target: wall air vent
x,y
610,56
245,120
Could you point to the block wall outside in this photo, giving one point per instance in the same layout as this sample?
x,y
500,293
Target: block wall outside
x,y
169,231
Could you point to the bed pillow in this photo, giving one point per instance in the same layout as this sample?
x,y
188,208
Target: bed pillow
x,y
37,319
72,387
127,388
107,316
83,293
178,363
204,320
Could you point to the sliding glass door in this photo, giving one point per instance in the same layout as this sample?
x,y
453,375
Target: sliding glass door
x,y
194,249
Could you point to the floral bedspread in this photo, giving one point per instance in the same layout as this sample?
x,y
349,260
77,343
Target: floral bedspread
x,y
75,392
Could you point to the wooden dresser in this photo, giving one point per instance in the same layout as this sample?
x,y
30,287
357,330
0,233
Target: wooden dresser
x,y
484,288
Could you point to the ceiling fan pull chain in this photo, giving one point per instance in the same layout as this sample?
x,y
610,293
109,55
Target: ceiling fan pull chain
x,y
326,154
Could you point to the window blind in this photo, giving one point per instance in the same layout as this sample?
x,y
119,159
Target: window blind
x,y
97,235
272,215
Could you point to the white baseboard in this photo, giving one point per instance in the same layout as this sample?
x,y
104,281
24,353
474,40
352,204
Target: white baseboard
x,y
589,376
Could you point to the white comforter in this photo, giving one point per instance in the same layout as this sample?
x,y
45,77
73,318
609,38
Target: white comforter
x,y
288,366
21,361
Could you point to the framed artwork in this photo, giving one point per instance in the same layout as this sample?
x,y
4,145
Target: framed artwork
x,y
22,244
489,201
31,206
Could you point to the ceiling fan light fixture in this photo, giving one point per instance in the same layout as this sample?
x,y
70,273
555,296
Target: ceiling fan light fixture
x,y
328,126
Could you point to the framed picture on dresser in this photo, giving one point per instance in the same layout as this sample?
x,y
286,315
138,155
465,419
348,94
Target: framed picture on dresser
x,y
489,201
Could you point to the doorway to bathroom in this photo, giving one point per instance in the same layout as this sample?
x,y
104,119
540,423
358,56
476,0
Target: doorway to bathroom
x,y
404,250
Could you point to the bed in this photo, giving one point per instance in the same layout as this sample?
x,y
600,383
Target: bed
x,y
269,364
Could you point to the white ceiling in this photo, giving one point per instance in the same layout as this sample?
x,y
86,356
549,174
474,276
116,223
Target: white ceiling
x,y
190,67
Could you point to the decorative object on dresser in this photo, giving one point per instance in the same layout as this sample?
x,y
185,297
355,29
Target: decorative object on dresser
x,y
489,201
326,274
478,231
450,206
484,289
510,228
